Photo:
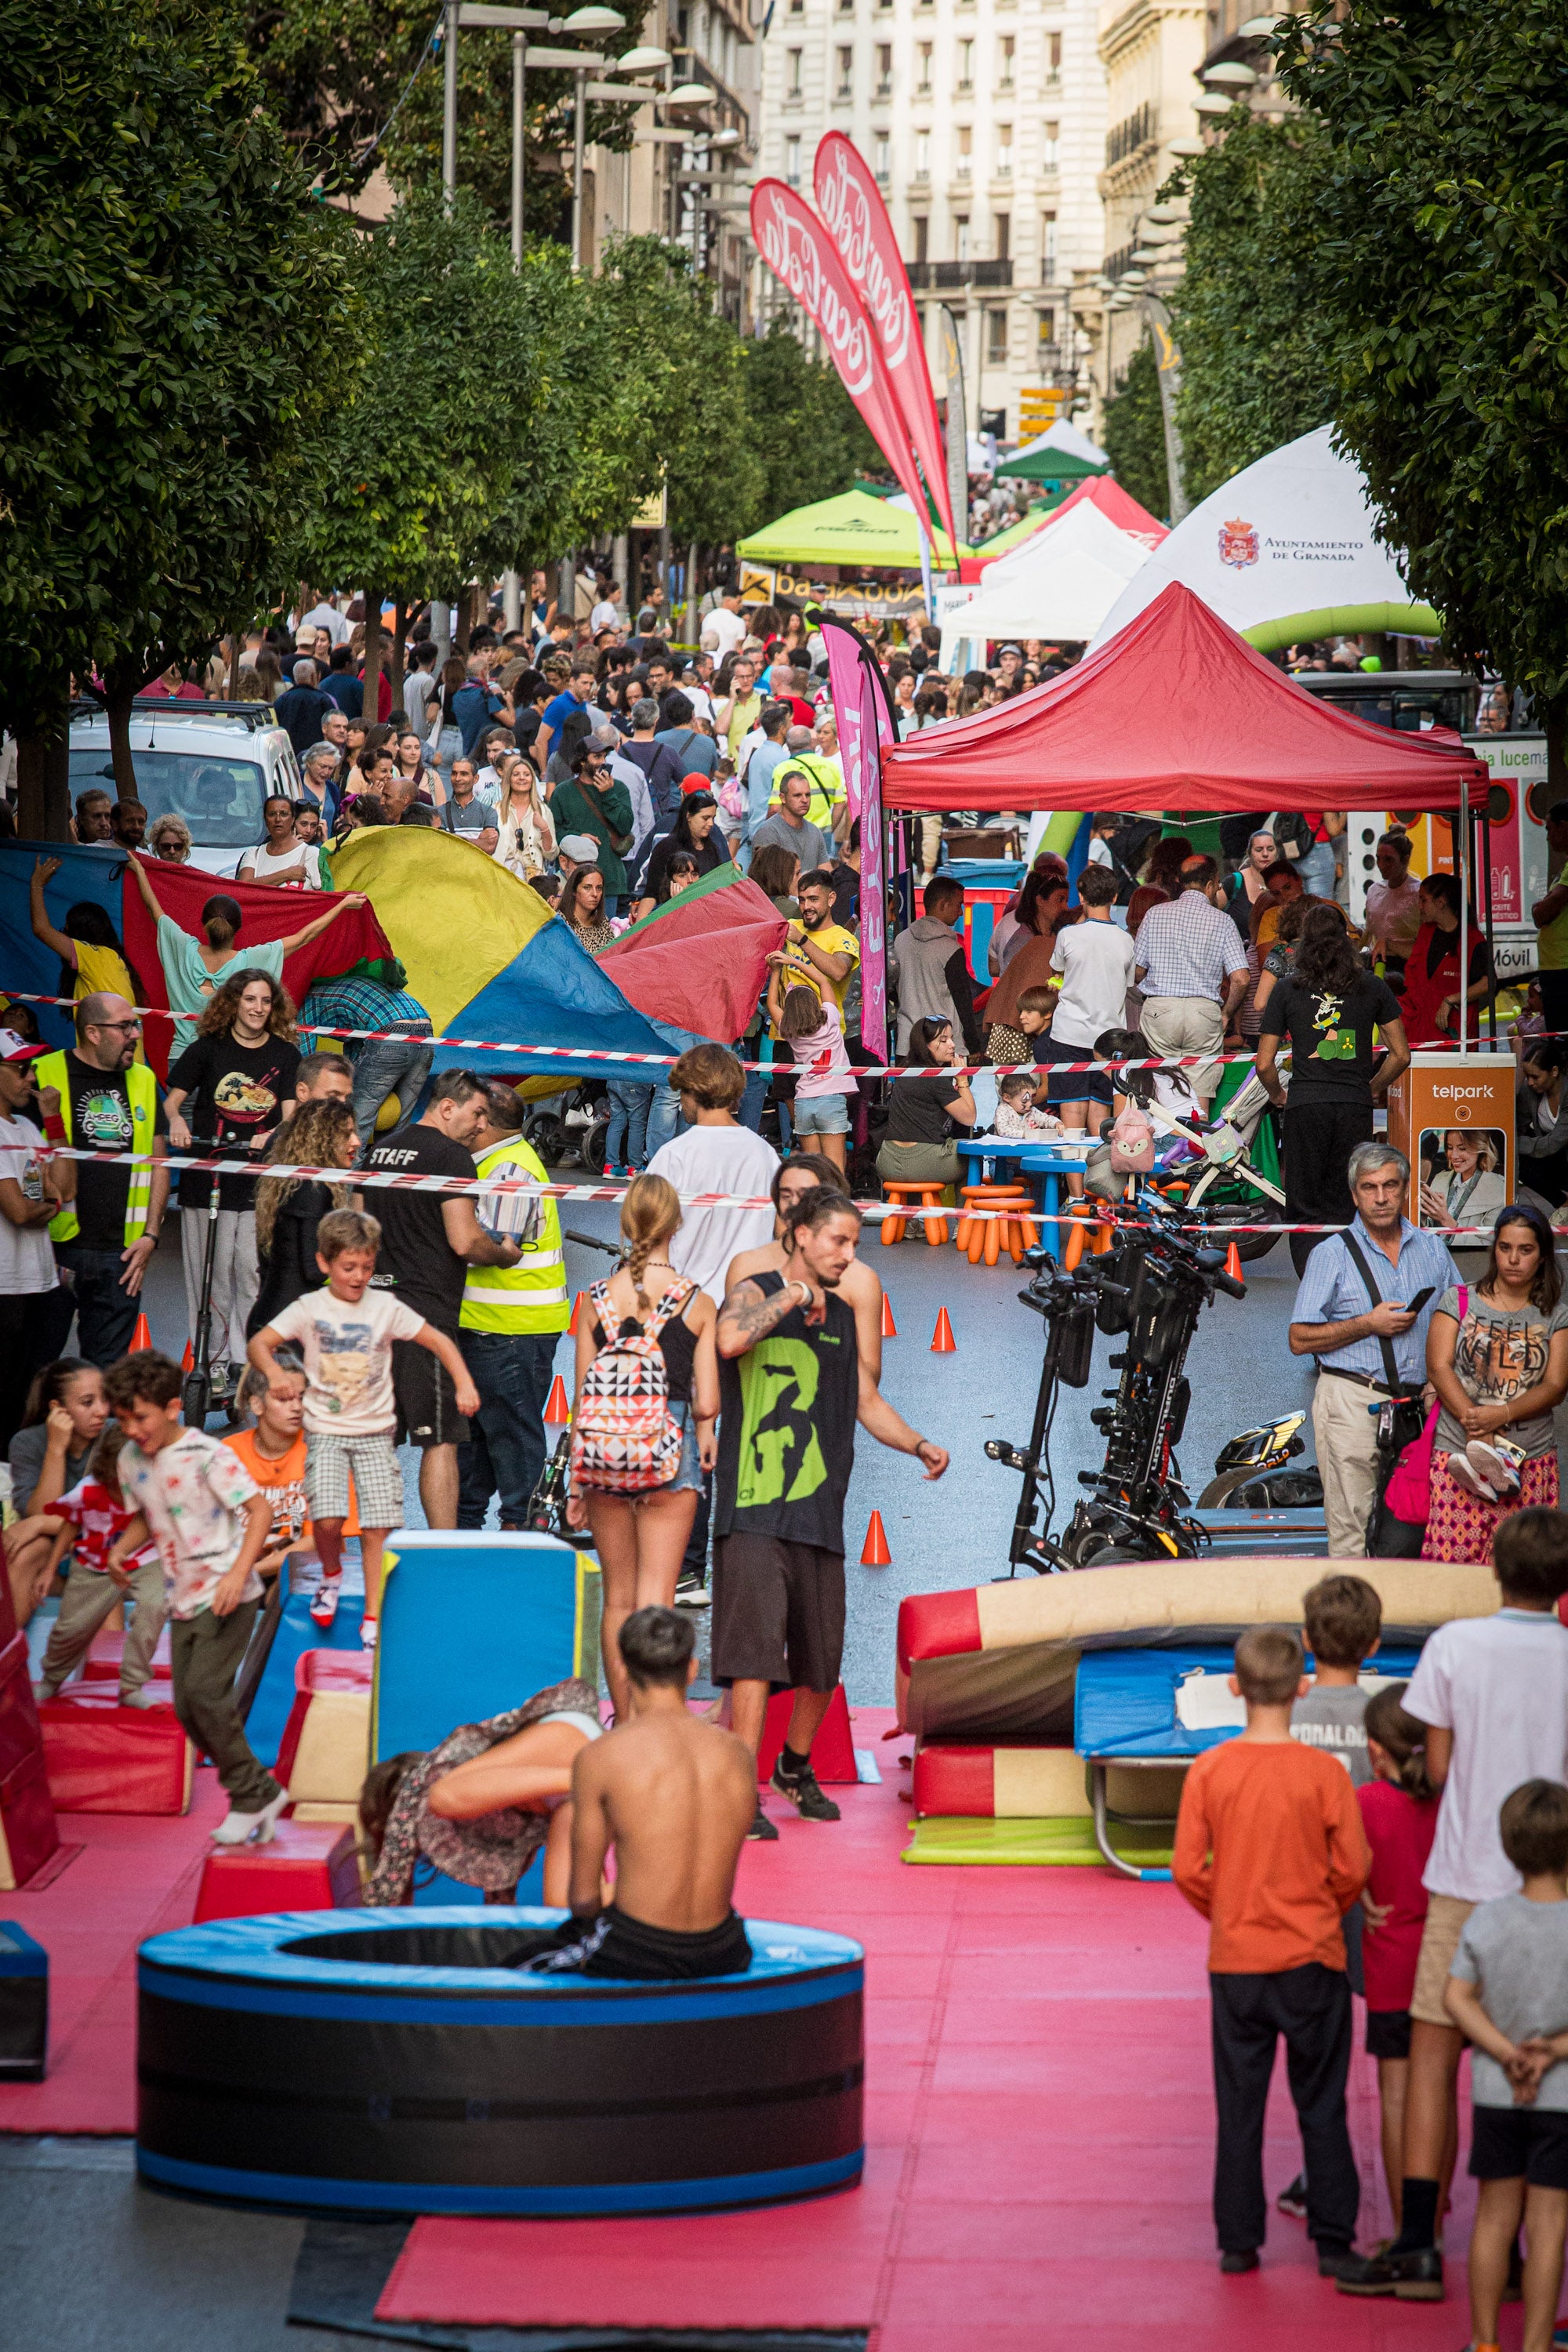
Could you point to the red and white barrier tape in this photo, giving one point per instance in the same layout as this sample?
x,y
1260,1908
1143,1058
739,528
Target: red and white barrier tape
x,y
591,1055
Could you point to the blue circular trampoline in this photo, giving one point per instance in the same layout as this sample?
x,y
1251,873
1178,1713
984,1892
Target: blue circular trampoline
x,y
390,2062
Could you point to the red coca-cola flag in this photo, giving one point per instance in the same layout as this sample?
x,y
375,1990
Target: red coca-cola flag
x,y
851,204
805,259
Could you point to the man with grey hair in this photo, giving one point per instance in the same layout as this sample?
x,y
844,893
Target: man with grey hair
x,y
302,708
1355,1312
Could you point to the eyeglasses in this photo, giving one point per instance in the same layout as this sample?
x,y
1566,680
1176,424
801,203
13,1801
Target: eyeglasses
x,y
112,1024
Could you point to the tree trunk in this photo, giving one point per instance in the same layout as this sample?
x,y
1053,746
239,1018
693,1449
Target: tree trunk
x,y
42,781
117,702
235,655
399,646
370,702
465,622
693,633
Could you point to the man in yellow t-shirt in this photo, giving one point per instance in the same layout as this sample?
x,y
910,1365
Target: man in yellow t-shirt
x,y
817,951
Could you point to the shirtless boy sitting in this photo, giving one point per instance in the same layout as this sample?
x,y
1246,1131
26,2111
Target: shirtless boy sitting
x,y
675,1796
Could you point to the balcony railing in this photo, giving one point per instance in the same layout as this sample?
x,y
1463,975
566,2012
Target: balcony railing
x,y
939,274
1134,130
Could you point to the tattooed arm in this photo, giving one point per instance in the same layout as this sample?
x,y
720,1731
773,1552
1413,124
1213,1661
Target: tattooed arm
x,y
749,1314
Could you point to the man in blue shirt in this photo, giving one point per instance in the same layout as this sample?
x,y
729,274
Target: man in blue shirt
x,y
1334,1319
579,694
475,704
698,755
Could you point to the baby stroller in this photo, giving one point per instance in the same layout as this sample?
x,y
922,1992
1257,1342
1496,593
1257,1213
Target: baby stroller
x,y
1203,1167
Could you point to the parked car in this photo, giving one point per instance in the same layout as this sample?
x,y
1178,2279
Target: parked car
x,y
213,763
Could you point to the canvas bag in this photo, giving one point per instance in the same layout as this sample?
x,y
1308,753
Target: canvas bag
x,y
625,1439
1131,1143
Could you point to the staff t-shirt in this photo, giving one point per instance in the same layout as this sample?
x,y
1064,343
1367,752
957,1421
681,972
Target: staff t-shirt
x,y
347,1347
417,1262
236,1095
101,1121
1098,961
1331,1036
27,1257
1500,1353
787,1428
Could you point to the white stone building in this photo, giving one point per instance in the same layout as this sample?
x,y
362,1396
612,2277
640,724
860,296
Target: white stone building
x,y
984,121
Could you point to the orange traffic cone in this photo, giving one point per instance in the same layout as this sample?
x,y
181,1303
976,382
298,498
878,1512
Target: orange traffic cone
x,y
576,1311
141,1338
875,1553
943,1341
188,1360
890,1329
1233,1262
557,1411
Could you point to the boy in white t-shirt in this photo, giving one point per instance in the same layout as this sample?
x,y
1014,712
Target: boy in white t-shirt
x,y
1493,1692
345,1334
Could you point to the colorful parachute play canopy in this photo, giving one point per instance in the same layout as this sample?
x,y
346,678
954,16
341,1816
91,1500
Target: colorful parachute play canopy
x,y
486,958
99,874
702,958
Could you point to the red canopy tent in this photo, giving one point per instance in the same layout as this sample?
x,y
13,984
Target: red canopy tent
x,y
1176,711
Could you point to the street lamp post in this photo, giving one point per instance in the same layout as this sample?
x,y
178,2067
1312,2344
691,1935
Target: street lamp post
x,y
450,104
518,116
578,113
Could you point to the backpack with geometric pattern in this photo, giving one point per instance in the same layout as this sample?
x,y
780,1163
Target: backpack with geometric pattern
x,y
625,1440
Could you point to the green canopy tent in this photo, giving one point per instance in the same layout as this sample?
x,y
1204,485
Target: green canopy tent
x,y
1052,466
855,530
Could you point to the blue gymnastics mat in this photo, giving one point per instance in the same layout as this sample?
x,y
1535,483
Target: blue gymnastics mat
x,y
1125,1701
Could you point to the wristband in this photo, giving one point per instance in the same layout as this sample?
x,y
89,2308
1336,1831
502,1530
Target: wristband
x,y
55,1128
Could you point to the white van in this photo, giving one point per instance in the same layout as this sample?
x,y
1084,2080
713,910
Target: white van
x,y
213,763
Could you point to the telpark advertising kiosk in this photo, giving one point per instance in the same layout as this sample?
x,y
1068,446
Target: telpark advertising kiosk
x,y
1452,1115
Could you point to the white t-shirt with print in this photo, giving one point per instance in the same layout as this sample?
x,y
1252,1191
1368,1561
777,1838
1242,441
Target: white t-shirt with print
x,y
347,1347
194,1492
1501,1686
1099,961
717,1159
27,1255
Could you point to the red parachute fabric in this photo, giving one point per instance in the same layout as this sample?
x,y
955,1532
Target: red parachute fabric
x,y
701,963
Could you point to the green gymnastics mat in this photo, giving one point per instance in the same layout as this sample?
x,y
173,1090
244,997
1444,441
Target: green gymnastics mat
x,y
959,1840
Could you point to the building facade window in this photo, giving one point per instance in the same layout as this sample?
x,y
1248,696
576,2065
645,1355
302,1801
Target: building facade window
x,y
922,154
1048,328
965,158
792,85
1004,148
1050,146
922,237
1002,235
1053,60
883,156
1049,249
846,87
791,162
1007,48
961,236
966,65
995,338
922,65
884,68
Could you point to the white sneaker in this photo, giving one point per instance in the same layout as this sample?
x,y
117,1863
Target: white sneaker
x,y
367,1632
1463,1471
145,1696
324,1604
1497,1460
237,1828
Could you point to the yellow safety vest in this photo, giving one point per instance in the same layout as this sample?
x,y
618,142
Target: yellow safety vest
x,y
532,1294
826,781
141,1091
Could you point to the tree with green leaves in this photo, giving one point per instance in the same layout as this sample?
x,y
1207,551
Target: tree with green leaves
x,y
359,82
808,435
1254,371
1438,227
173,309
1135,433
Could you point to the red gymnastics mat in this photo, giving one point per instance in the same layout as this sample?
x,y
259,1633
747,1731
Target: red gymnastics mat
x,y
130,1877
1040,2141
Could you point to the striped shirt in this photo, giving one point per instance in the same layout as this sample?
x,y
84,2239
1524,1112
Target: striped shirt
x,y
1189,949
1331,1291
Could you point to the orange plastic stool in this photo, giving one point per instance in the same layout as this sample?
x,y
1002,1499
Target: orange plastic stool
x,y
1013,1228
914,1196
1085,1232
971,1227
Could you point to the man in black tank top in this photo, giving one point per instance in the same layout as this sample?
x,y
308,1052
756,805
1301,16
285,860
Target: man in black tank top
x,y
792,1388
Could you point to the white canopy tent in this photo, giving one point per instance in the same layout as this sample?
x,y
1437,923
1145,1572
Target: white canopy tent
x,y
1060,585
1285,552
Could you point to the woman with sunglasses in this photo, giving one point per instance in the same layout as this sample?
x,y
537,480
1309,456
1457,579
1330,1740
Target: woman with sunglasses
x,y
527,836
591,801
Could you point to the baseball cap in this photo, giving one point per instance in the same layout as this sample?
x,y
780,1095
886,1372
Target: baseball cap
x,y
17,1049
695,783
581,847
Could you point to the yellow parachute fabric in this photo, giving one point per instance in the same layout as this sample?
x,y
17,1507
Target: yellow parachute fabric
x,y
454,917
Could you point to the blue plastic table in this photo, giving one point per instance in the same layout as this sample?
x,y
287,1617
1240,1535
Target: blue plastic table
x,y
1044,1163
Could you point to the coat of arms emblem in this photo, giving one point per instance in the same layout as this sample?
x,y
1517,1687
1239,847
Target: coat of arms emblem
x,y
1238,544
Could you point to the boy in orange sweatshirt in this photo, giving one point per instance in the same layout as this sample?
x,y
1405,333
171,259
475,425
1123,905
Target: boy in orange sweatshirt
x,y
1271,1849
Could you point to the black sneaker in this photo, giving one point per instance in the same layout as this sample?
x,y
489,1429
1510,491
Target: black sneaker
x,y
761,1829
805,1793
1293,2200
1415,2276
1232,2264
1334,2260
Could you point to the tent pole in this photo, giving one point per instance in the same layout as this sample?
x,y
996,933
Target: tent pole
x,y
1464,861
1484,831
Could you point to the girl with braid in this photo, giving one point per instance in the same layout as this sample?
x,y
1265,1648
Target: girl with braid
x,y
640,1535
